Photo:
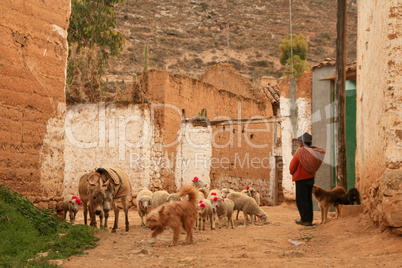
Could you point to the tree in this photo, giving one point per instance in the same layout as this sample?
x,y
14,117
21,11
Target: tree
x,y
299,66
92,22
300,48
92,40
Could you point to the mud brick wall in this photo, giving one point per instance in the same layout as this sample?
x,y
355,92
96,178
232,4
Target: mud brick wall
x,y
379,120
233,149
33,53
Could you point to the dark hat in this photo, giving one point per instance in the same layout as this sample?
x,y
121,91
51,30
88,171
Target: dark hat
x,y
306,137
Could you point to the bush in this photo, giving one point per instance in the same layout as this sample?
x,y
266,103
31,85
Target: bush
x,y
26,230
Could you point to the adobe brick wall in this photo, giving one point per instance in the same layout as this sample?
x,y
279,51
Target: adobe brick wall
x,y
379,122
187,97
33,53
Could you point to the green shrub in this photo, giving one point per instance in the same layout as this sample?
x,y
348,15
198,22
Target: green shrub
x,y
26,230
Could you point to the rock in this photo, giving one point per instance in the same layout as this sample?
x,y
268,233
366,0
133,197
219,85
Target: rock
x,y
61,235
392,209
55,262
43,254
144,251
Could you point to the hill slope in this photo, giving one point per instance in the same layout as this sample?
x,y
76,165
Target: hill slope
x,y
186,37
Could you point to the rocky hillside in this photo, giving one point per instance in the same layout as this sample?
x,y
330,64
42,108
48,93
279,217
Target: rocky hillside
x,y
188,36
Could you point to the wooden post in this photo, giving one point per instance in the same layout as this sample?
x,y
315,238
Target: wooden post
x,y
341,170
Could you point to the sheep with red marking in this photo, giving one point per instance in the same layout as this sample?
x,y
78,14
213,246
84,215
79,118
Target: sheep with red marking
x,y
223,208
71,204
201,186
204,212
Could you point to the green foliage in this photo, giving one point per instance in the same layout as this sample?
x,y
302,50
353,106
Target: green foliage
x,y
44,220
26,230
299,45
299,66
92,40
203,113
92,22
300,48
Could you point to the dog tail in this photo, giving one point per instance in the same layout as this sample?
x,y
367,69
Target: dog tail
x,y
190,191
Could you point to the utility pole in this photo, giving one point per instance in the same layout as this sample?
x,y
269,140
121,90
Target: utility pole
x,y
227,33
291,35
341,170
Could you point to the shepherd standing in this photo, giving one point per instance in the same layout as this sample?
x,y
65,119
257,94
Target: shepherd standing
x,y
305,163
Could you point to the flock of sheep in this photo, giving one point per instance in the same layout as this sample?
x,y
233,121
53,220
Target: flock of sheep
x,y
212,205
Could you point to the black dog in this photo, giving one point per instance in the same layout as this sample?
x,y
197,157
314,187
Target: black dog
x,y
349,199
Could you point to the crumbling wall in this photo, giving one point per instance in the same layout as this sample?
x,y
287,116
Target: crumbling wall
x,y
302,122
33,53
379,121
241,154
100,135
224,76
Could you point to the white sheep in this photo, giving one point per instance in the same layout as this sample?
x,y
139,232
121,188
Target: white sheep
x,y
223,208
143,200
71,204
254,194
243,192
197,183
204,212
226,191
214,192
202,186
159,198
173,197
249,207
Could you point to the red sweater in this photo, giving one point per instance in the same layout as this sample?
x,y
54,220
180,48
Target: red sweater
x,y
297,171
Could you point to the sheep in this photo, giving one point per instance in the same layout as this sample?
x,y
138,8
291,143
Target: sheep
x,y
143,200
243,192
204,211
254,194
249,207
173,197
226,191
159,198
202,186
223,208
71,204
200,196
214,192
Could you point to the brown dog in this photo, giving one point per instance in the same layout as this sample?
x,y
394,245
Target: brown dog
x,y
175,215
326,199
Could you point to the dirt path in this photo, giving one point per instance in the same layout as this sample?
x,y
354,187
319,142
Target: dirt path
x,y
344,242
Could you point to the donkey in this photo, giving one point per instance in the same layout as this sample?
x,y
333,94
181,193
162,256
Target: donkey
x,y
118,187
93,195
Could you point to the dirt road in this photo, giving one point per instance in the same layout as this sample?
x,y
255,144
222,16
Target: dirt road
x,y
344,242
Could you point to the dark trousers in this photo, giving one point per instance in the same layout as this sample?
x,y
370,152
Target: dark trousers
x,y
304,199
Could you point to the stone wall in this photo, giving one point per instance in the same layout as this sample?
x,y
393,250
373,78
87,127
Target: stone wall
x,y
241,154
379,119
294,123
33,53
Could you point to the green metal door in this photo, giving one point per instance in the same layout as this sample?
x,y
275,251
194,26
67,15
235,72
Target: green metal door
x,y
351,131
